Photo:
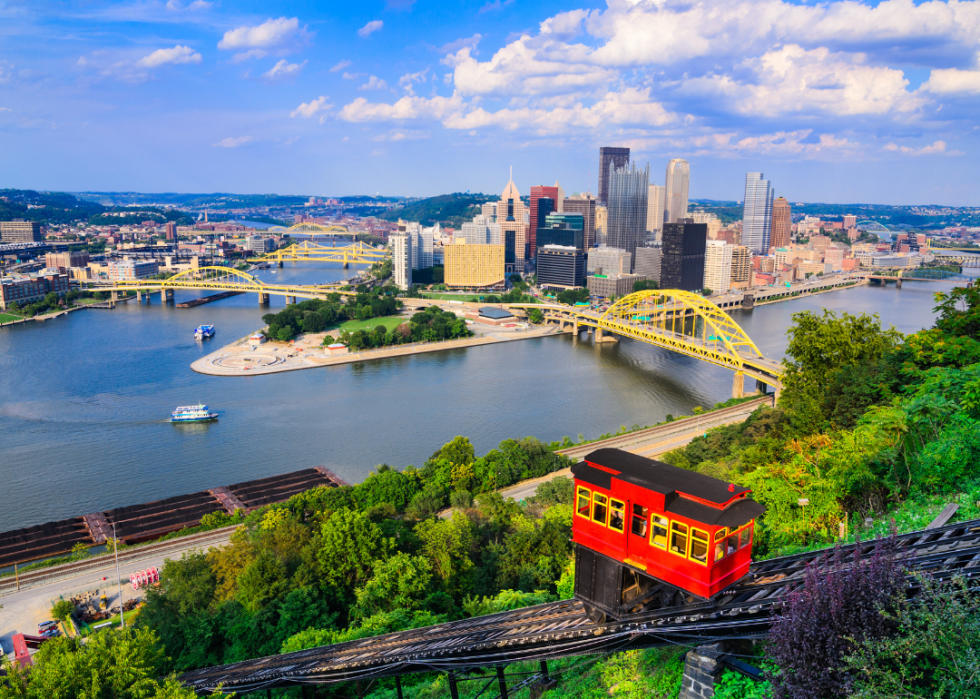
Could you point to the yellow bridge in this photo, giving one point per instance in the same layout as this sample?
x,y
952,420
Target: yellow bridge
x,y
356,254
680,321
222,279
314,228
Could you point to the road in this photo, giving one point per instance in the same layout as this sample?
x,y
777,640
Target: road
x,y
21,610
650,442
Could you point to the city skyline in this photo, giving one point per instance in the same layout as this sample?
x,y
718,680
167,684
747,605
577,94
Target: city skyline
x,y
840,103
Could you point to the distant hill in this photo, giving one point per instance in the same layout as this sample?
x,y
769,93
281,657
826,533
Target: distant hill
x,y
45,207
447,209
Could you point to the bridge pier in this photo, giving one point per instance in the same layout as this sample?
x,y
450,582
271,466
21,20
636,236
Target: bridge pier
x,y
738,387
139,296
290,300
603,337
898,283
280,263
113,297
166,296
263,299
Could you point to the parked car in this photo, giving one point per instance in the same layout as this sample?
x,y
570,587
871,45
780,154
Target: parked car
x,y
45,625
51,633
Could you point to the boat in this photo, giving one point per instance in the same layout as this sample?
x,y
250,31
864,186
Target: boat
x,y
204,331
192,413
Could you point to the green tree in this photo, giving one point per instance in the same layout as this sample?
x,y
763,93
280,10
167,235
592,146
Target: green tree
x,y
645,284
399,582
536,316
448,544
348,546
113,664
820,346
62,609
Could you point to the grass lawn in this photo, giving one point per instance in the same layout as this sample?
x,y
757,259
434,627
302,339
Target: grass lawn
x,y
6,317
350,326
453,297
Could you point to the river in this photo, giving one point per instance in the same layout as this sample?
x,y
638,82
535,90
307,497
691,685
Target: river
x,y
85,399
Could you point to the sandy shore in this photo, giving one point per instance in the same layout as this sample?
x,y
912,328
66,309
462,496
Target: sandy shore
x,y
244,358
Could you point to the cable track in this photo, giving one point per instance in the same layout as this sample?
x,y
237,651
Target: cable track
x,y
560,629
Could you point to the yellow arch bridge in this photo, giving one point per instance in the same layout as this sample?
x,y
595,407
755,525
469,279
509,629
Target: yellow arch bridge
x,y
356,254
222,279
680,321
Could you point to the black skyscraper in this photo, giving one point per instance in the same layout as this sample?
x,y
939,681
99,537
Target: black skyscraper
x,y
621,158
682,265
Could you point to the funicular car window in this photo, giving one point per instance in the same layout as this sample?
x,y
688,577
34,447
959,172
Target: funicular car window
x,y
639,523
659,534
599,508
699,546
732,543
617,515
743,539
678,538
584,502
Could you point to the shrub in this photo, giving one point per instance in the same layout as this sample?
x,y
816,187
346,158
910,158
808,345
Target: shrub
x,y
839,606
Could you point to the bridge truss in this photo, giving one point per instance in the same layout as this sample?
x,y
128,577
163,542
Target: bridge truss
x,y
223,279
687,323
312,228
355,254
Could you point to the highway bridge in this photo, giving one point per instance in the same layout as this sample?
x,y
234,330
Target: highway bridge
x,y
481,648
314,229
222,279
680,321
355,254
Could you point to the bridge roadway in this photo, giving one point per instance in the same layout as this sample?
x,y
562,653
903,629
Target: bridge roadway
x,y
561,629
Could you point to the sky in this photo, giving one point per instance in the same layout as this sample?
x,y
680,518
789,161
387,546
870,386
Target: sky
x,y
838,101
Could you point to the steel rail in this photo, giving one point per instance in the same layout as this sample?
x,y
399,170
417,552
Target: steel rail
x,y
32,578
561,629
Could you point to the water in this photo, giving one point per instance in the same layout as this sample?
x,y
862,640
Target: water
x,y
84,399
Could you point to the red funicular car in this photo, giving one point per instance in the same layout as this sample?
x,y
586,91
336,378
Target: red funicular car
x,y
648,534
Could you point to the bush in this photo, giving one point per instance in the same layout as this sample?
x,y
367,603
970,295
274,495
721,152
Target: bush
x,y
62,609
843,603
460,499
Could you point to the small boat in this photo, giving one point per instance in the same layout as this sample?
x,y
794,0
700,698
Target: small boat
x,y
204,331
193,413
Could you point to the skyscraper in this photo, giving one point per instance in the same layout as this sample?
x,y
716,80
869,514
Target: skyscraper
x,y
510,216
741,267
677,185
537,193
628,189
401,254
656,197
682,264
782,224
584,204
560,201
718,266
757,213
620,157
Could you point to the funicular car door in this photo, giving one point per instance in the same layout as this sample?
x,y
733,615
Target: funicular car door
x,y
638,534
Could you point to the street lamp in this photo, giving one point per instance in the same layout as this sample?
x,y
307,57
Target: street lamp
x,y
115,548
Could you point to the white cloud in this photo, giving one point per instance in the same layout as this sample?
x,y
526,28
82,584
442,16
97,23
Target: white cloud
x,y
374,83
409,79
195,6
308,109
6,109
370,28
402,135
405,108
947,81
937,148
177,55
273,35
340,66
469,42
283,70
351,76
494,5
232,142
793,80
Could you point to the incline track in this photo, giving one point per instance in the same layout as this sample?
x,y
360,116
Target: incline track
x,y
561,629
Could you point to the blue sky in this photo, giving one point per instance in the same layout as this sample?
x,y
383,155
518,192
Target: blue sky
x,y
838,102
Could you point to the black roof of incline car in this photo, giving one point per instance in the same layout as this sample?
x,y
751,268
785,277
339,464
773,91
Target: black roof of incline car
x,y
670,481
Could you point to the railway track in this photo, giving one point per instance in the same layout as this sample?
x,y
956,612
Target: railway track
x,y
60,572
562,629
710,419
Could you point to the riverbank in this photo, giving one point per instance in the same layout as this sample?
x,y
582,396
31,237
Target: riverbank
x,y
82,303
245,358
